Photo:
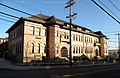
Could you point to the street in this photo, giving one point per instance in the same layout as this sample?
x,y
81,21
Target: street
x,y
102,71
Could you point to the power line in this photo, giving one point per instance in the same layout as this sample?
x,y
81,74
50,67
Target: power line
x,y
106,11
109,9
7,20
9,15
28,7
114,5
19,10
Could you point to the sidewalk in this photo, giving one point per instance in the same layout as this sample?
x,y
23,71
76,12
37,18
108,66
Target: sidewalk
x,y
6,64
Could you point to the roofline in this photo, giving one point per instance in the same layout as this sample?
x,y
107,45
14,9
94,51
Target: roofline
x,y
57,22
24,19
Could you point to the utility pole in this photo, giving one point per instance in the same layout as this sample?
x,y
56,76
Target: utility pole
x,y
70,3
118,44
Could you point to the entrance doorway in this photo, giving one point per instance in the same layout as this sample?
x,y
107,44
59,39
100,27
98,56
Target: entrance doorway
x,y
64,52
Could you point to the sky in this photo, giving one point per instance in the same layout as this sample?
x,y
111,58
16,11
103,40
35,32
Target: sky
x,y
88,14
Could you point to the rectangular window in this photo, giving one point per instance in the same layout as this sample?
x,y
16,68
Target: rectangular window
x,y
73,36
76,49
79,37
32,30
14,34
16,48
76,38
81,49
19,32
20,46
82,38
45,32
57,33
38,31
11,35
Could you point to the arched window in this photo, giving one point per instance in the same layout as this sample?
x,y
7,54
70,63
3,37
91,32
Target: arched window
x,y
79,49
73,49
32,48
38,48
97,52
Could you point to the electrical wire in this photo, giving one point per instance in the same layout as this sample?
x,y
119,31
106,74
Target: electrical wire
x,y
114,5
28,7
9,15
106,11
7,20
19,11
109,9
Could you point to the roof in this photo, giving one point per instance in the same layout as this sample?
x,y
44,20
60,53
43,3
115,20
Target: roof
x,y
44,19
100,34
47,18
22,19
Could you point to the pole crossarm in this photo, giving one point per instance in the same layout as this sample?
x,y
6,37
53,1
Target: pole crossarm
x,y
69,5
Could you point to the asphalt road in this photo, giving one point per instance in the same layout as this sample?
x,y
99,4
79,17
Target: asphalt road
x,y
106,71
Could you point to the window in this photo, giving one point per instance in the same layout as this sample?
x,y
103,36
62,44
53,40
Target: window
x,y
32,48
19,32
82,38
64,52
38,31
45,32
16,47
11,35
85,39
76,37
32,30
73,49
14,34
57,33
19,47
76,49
79,37
38,48
91,40
79,49
73,36
65,35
